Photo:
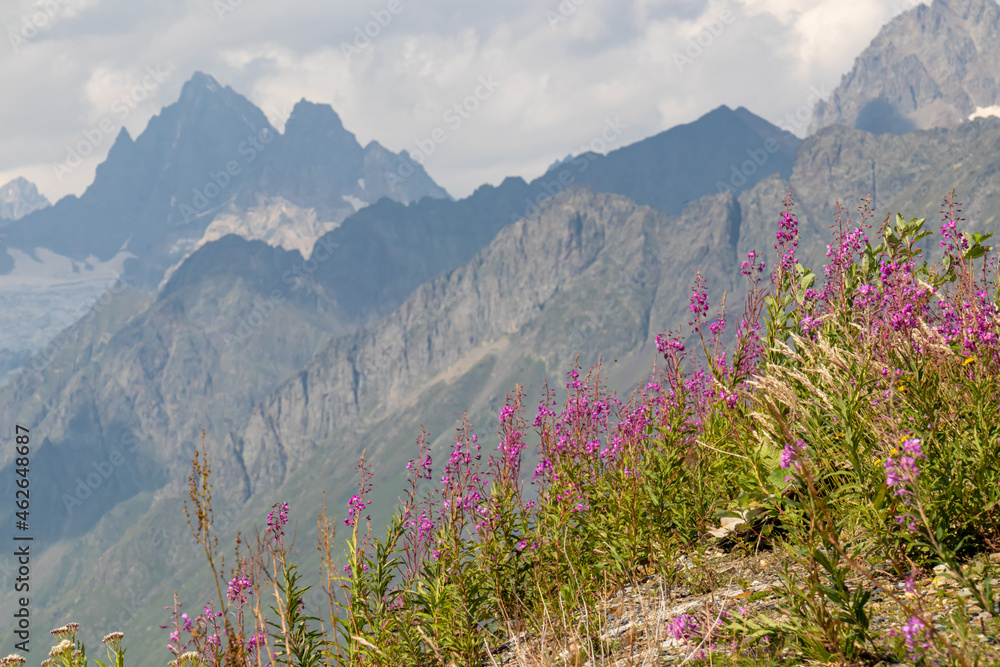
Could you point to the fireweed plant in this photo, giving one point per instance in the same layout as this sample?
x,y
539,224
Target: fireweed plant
x,y
855,430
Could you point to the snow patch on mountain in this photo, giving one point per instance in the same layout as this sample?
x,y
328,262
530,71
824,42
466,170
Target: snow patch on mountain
x,y
985,112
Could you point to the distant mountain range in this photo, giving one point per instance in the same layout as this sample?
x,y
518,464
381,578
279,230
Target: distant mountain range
x,y
18,198
212,152
144,212
328,307
932,66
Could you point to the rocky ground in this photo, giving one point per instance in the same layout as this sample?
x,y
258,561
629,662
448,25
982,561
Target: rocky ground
x,y
669,623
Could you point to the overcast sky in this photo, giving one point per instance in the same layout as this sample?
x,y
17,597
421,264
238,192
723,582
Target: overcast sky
x,y
558,71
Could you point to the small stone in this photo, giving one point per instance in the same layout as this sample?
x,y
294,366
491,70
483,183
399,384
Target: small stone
x,y
995,558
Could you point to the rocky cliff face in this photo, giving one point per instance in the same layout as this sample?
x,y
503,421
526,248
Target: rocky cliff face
x,y
909,174
932,66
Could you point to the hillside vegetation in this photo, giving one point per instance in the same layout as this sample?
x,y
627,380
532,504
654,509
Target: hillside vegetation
x,y
848,444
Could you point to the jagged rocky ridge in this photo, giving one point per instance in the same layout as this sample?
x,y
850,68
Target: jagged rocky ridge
x,y
930,67
213,151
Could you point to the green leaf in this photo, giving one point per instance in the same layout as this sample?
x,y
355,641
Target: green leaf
x,y
975,252
777,478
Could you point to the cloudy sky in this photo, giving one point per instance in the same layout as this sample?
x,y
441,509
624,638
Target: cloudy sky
x,y
393,69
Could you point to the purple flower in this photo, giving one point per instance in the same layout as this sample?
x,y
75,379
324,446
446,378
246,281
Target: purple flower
x,y
747,268
236,589
915,635
667,344
787,237
255,641
275,526
810,324
684,627
699,302
901,467
355,508
791,453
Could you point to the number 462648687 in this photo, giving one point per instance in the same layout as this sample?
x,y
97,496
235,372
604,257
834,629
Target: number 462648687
x,y
21,470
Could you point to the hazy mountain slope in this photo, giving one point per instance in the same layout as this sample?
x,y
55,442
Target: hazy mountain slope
x,y
733,148
931,66
387,250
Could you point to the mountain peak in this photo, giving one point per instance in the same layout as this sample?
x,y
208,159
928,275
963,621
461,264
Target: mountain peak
x,y
200,81
931,66
722,150
20,197
202,91
311,117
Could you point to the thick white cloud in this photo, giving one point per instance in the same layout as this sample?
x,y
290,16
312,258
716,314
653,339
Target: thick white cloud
x,y
559,70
